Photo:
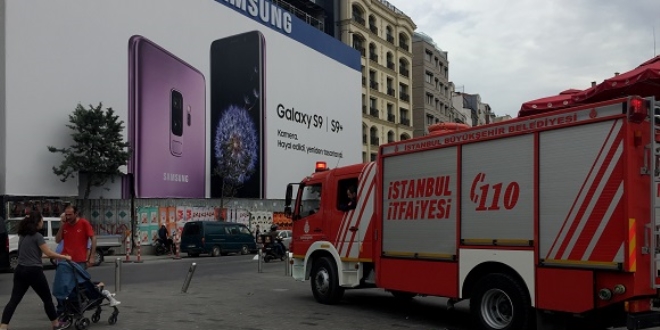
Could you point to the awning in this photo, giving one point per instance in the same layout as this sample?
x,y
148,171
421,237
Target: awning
x,y
643,81
550,103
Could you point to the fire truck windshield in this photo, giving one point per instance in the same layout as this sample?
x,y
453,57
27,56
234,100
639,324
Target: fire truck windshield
x,y
310,200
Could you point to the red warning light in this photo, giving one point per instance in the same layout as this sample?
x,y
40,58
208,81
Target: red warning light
x,y
321,166
637,110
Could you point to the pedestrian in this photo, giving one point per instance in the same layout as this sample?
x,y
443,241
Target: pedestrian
x,y
76,232
164,238
256,235
30,272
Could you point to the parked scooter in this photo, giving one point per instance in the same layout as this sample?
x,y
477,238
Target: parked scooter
x,y
271,249
161,249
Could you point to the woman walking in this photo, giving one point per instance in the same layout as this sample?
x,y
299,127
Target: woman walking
x,y
30,272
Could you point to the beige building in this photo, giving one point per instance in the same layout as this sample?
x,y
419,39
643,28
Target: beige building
x,y
431,88
383,34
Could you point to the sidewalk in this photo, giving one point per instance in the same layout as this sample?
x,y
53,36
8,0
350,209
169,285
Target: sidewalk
x,y
211,302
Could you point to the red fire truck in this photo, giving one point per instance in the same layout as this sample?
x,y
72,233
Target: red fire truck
x,y
532,218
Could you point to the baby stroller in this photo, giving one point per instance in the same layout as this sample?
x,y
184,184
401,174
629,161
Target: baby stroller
x,y
74,289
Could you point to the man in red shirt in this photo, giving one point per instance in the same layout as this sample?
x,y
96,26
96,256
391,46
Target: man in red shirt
x,y
76,232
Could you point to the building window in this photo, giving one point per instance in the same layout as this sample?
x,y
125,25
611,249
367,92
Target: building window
x,y
372,24
373,136
403,114
403,41
373,81
390,112
430,120
373,52
358,15
429,98
358,43
389,35
429,77
403,92
390,61
403,68
390,87
428,56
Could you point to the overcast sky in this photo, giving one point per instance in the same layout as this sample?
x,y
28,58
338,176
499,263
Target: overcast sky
x,y
515,51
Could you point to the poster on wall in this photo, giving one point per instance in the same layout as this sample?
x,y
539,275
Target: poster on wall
x,y
148,224
254,89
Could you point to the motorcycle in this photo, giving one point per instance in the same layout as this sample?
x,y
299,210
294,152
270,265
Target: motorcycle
x,y
161,248
270,249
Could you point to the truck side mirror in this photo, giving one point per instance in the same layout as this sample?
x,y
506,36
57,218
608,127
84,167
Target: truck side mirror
x,y
289,194
287,211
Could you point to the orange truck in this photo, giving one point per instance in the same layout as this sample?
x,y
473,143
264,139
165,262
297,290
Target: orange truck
x,y
533,220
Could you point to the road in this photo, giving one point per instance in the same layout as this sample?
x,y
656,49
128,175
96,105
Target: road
x,y
229,293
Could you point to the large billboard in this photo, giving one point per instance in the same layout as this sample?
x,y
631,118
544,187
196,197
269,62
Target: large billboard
x,y
213,93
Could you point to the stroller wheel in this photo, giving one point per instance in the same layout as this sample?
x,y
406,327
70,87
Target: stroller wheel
x,y
82,324
112,319
96,317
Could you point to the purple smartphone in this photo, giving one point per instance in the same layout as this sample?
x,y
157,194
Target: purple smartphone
x,y
167,123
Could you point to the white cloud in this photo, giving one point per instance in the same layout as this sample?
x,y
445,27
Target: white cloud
x,y
515,51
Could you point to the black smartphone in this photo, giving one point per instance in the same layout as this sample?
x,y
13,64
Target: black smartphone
x,y
238,116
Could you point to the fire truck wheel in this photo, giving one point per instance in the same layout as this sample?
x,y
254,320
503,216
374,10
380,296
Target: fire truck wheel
x,y
325,282
499,302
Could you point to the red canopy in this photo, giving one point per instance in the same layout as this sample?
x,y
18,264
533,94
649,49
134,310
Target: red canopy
x,y
560,101
644,80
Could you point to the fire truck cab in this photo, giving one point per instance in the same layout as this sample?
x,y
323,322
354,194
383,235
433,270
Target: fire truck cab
x,y
556,214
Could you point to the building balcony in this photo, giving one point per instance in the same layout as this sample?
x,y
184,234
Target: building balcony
x,y
374,141
404,72
364,138
404,46
373,29
364,81
404,96
373,85
390,65
405,121
390,38
359,20
373,57
390,91
374,112
391,117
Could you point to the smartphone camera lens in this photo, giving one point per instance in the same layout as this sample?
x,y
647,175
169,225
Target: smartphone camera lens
x,y
188,117
176,113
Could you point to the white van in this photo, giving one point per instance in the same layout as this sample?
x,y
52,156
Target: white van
x,y
50,228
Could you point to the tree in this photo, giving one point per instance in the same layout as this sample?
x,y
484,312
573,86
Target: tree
x,y
98,149
229,186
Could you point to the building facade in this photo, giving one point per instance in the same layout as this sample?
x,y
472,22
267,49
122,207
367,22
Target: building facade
x,y
431,90
383,35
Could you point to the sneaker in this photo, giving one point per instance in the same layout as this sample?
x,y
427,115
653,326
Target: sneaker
x,y
114,302
62,325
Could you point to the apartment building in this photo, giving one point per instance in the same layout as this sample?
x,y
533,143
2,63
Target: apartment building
x,y
431,88
479,113
383,35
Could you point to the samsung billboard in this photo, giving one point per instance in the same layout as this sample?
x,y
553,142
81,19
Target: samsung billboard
x,y
211,93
